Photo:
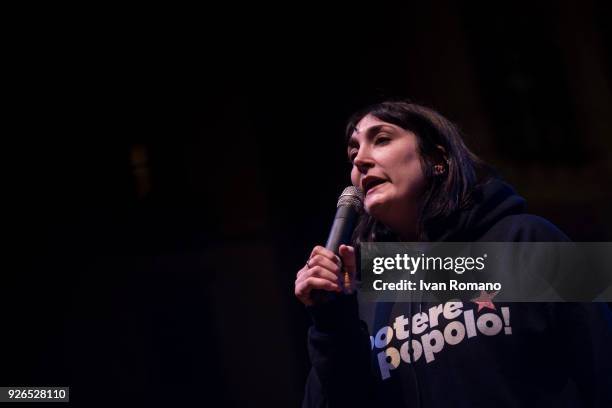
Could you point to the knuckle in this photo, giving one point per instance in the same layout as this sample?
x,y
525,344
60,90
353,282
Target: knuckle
x,y
316,271
309,283
319,271
322,259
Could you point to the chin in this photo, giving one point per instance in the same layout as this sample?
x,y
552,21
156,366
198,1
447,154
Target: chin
x,y
375,208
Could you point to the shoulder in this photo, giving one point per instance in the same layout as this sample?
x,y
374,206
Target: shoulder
x,y
524,227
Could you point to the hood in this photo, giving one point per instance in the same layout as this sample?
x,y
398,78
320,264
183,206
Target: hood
x,y
493,201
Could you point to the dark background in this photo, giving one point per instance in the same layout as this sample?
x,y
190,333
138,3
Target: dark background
x,y
167,173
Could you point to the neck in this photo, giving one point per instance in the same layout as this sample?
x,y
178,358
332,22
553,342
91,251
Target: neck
x,y
407,233
404,226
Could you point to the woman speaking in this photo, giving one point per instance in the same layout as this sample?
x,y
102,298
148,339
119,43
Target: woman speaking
x,y
422,184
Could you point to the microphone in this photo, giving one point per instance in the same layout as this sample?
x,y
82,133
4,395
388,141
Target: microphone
x,y
350,205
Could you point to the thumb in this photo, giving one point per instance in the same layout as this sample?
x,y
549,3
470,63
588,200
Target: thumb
x,y
347,253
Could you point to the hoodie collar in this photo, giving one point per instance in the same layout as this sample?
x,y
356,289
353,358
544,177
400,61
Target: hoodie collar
x,y
493,200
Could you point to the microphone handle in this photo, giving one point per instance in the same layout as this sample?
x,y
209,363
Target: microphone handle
x,y
342,228
340,233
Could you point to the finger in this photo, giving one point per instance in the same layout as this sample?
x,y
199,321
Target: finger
x,y
320,260
347,253
301,271
303,289
318,272
326,253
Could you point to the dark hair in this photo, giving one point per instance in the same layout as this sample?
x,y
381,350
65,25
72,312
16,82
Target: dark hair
x,y
444,195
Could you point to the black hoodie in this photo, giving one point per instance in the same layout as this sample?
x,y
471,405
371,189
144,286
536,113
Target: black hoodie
x,y
464,354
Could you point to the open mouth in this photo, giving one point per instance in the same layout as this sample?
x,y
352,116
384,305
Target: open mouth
x,y
373,188
370,182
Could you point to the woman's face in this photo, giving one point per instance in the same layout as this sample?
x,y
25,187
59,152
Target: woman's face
x,y
387,167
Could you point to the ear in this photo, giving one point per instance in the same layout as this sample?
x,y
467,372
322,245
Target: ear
x,y
440,156
441,161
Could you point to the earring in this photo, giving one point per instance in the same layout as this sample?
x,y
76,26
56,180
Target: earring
x,y
439,169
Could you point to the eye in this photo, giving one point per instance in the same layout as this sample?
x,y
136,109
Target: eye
x,y
352,155
382,139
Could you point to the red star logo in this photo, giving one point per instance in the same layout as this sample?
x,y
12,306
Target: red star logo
x,y
485,300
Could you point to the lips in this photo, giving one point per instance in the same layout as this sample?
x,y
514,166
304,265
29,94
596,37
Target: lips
x,y
370,182
372,188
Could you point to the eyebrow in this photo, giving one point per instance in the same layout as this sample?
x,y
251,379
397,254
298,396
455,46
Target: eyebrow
x,y
352,142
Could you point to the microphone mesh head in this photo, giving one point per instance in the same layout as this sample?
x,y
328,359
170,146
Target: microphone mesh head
x,y
351,196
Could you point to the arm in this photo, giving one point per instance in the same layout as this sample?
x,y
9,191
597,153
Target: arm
x,y
339,350
338,342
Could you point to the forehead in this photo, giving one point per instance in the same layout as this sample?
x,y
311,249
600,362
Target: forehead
x,y
368,126
366,123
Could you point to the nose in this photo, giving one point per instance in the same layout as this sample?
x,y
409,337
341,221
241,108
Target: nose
x,y
363,161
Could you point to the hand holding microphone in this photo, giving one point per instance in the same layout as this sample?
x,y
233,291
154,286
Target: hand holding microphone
x,y
332,269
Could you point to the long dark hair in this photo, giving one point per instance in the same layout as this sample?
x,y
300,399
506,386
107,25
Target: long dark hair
x,y
444,194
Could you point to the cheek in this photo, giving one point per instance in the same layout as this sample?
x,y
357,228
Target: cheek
x,y
355,177
412,178
417,181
